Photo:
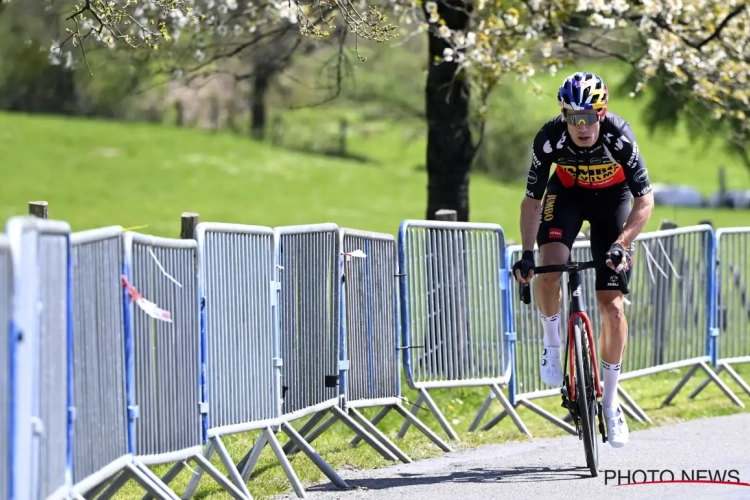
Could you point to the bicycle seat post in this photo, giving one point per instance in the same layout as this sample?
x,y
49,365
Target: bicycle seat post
x,y
575,289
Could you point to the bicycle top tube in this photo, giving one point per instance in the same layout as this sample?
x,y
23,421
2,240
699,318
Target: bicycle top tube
x,y
570,267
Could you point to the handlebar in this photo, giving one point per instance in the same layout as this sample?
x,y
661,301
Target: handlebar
x,y
570,267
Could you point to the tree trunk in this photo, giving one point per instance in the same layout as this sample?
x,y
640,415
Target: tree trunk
x,y
261,83
450,149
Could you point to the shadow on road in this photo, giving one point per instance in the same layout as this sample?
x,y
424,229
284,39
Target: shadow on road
x,y
479,475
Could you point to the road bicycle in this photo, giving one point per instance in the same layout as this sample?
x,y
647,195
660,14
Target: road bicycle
x,y
580,398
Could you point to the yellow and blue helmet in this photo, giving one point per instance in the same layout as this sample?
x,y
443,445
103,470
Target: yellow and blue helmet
x,y
583,90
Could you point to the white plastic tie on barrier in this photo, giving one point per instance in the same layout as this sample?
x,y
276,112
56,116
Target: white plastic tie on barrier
x,y
356,253
162,268
669,261
650,258
146,305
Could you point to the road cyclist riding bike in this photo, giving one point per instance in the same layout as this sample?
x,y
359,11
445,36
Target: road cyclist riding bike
x,y
599,169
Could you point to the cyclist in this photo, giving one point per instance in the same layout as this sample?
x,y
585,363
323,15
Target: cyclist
x,y
599,169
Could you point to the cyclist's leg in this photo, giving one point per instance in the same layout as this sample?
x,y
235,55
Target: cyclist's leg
x,y
560,223
604,231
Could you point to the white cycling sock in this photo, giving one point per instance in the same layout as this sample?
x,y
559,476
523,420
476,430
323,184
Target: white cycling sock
x,y
551,325
610,374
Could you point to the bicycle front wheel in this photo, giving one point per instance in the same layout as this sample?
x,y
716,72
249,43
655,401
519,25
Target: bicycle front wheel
x,y
586,395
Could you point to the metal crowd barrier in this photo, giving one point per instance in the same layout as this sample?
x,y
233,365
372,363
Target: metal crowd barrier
x,y
163,345
309,264
101,448
732,299
671,322
238,298
455,332
6,314
370,339
669,313
41,359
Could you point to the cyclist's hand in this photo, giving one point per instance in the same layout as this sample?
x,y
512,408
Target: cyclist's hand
x,y
523,270
617,258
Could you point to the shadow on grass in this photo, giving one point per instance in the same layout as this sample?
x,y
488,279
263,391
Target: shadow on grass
x,y
331,153
478,475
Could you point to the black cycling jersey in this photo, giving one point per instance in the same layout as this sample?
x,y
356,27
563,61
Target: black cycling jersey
x,y
614,160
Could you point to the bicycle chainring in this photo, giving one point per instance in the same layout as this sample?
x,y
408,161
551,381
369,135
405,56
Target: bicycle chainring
x,y
571,406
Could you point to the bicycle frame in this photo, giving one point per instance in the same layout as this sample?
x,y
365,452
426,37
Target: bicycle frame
x,y
578,309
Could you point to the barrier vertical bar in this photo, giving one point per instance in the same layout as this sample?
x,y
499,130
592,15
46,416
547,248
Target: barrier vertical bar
x,y
6,367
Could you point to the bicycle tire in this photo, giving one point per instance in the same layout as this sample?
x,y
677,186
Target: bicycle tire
x,y
584,386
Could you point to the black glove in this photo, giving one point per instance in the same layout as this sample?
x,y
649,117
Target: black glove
x,y
524,265
617,256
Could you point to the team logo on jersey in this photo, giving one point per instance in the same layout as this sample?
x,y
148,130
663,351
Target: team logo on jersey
x,y
591,176
549,206
641,175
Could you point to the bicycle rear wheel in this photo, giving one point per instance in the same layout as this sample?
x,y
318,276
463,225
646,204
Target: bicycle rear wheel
x,y
586,395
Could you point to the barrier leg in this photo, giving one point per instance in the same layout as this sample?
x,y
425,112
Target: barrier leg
x,y
680,385
270,437
495,420
248,463
395,450
705,383
164,488
198,473
375,421
425,396
548,416
414,409
723,365
309,425
227,485
96,490
316,433
636,409
511,411
627,410
313,455
117,483
168,477
354,426
409,416
234,474
131,472
737,378
482,411
726,390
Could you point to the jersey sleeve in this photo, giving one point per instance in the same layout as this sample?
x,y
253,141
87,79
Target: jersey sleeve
x,y
628,154
541,162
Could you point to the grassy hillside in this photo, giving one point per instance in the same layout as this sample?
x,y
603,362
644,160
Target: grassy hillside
x,y
101,173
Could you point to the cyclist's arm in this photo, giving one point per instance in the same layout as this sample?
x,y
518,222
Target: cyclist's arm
x,y
536,184
636,174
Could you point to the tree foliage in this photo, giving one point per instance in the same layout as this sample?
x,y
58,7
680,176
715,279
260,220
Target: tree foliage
x,y
698,49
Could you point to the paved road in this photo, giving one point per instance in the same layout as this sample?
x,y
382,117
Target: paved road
x,y
555,468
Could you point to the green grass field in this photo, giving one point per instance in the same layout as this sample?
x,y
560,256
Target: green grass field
x,y
96,173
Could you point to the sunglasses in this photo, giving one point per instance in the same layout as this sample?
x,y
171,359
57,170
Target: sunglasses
x,y
582,119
